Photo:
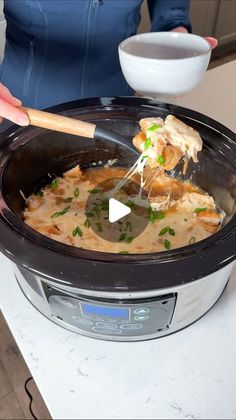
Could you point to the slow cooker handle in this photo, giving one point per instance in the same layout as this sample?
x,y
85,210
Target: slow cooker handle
x,y
60,123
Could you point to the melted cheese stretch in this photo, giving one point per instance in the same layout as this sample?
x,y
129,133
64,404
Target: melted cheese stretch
x,y
71,193
162,145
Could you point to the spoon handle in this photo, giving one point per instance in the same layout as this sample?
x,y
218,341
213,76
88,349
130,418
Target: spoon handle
x,y
59,123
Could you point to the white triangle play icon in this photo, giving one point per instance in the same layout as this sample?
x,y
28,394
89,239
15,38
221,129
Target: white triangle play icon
x,y
117,210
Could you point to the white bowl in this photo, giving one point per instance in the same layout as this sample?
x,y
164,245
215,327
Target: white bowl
x,y
164,63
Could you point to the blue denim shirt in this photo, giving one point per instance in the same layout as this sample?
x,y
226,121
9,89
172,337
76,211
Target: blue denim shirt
x,y
61,50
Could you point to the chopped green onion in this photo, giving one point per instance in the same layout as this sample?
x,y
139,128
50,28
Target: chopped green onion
x,y
94,191
122,237
130,204
145,156
129,240
147,143
60,213
90,214
155,215
77,231
96,210
164,231
123,252
99,226
68,200
76,193
167,229
39,193
154,127
192,240
161,160
171,232
54,184
104,205
87,223
199,209
128,226
166,244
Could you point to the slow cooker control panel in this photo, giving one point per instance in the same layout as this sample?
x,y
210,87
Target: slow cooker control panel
x,y
113,318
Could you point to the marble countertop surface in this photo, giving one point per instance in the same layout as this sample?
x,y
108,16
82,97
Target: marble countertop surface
x,y
188,375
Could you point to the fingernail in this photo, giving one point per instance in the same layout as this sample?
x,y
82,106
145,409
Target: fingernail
x,y
17,101
23,120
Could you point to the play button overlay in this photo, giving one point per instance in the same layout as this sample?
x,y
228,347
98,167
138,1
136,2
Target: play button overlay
x,y
117,214
117,210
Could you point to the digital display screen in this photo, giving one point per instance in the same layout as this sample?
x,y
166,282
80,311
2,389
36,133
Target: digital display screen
x,y
105,312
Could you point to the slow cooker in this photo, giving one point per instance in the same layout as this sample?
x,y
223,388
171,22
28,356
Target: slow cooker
x,y
104,295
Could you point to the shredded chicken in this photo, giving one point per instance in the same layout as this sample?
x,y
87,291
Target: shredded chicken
x,y
165,143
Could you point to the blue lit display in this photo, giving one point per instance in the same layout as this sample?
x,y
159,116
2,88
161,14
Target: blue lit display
x,y
105,311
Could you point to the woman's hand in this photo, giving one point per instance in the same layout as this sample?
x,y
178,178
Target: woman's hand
x,y
9,107
212,41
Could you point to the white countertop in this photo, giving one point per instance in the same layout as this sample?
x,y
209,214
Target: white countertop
x,y
188,375
216,95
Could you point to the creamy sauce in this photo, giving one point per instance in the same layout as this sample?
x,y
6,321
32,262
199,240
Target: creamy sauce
x,y
59,212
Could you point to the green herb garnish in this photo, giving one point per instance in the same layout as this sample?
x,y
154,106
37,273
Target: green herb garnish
x,y
129,240
128,226
104,205
123,252
87,223
161,160
130,204
96,210
94,191
76,193
200,209
164,231
99,226
39,193
155,215
167,229
154,127
192,240
185,220
147,143
77,231
166,244
90,214
60,213
122,237
54,184
68,200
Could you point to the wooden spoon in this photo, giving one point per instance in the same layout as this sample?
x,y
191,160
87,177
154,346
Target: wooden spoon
x,y
69,125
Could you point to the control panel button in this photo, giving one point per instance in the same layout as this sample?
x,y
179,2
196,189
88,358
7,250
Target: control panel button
x,y
141,311
131,326
106,326
101,330
82,320
141,317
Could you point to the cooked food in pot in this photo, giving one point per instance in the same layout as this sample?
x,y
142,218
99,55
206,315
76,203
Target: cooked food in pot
x,y
185,213
177,213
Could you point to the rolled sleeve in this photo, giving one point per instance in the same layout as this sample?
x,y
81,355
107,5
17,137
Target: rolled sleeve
x,y
169,14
